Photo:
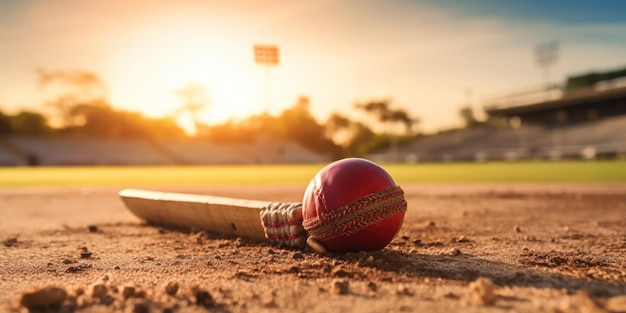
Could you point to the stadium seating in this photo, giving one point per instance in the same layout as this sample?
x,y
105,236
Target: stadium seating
x,y
599,138
81,151
603,137
8,158
261,152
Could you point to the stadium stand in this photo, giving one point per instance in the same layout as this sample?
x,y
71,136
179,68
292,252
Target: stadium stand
x,y
82,151
606,137
583,118
292,152
21,150
261,152
8,157
203,152
603,138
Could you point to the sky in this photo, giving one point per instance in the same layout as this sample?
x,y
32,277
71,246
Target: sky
x,y
428,57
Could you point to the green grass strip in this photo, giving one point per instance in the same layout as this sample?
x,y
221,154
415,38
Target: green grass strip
x,y
567,171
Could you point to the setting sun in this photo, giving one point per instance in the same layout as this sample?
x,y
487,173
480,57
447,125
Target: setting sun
x,y
164,57
230,90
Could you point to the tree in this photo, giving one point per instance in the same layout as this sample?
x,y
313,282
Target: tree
x,y
79,99
105,122
469,119
71,89
382,111
5,123
337,128
354,137
389,117
229,132
299,125
360,143
195,99
295,123
29,123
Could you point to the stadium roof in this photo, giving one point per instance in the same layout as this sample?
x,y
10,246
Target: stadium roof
x,y
567,100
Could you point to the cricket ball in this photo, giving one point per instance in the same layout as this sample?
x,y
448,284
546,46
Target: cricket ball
x,y
353,205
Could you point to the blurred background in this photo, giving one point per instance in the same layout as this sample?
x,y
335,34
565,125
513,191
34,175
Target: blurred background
x,y
254,82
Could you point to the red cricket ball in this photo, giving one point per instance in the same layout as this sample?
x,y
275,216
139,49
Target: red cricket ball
x,y
353,205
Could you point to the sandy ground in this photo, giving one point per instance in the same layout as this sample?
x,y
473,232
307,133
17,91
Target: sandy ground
x,y
479,247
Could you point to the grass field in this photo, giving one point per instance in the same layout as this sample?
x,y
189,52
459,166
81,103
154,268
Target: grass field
x,y
575,171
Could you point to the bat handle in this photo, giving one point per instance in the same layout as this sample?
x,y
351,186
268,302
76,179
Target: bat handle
x,y
282,224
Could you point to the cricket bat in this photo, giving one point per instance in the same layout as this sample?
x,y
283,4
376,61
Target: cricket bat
x,y
280,223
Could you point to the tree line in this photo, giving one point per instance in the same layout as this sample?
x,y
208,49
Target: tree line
x,y
80,109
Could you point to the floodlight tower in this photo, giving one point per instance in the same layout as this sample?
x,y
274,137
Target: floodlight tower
x,y
546,54
266,56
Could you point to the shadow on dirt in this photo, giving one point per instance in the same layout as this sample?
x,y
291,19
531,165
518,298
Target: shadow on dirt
x,y
468,268
535,270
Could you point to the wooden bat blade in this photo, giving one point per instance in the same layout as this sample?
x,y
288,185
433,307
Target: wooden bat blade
x,y
230,216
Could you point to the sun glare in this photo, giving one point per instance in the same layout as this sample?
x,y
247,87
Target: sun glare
x,y
230,90
163,60
186,121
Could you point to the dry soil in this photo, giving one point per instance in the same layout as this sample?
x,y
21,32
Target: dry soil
x,y
478,247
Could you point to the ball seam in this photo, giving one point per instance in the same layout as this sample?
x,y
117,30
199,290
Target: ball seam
x,y
358,214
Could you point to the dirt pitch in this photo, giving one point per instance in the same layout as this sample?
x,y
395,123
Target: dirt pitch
x,y
478,247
